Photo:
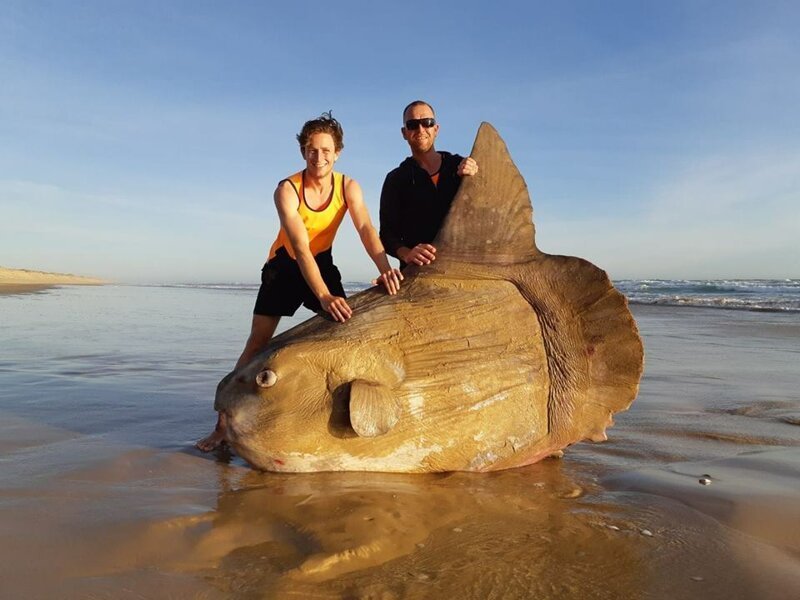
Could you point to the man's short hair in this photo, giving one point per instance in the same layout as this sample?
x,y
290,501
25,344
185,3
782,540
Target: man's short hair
x,y
324,124
416,103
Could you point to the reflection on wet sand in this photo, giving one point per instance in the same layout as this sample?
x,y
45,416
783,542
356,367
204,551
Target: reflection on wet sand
x,y
546,531
506,535
132,523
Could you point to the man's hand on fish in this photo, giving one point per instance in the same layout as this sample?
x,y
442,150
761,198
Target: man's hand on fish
x,y
421,254
337,307
390,280
467,167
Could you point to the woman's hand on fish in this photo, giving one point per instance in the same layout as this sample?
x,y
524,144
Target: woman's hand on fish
x,y
337,307
390,280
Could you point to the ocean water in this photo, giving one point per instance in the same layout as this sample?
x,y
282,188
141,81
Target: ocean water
x,y
103,391
779,295
123,359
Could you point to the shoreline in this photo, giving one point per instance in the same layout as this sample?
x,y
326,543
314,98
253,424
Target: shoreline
x,y
8,289
753,309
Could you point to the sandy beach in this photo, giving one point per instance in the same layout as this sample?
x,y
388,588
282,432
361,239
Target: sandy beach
x,y
696,494
16,281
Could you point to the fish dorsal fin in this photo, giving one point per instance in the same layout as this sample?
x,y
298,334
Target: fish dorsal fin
x,y
491,218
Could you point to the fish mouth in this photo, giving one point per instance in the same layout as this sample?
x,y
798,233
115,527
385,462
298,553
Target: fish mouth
x,y
235,429
242,430
237,434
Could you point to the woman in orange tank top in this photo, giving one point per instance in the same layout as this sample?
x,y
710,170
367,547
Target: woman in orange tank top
x,y
311,204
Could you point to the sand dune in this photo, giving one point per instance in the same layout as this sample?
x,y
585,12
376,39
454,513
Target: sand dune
x,y
24,279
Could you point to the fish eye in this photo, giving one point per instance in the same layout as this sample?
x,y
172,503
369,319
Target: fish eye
x,y
266,378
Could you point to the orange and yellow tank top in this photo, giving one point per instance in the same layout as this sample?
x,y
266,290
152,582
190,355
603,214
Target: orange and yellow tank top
x,y
321,223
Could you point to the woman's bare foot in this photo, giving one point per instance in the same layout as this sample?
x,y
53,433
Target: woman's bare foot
x,y
216,439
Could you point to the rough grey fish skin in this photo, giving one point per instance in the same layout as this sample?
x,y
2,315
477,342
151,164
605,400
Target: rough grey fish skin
x,y
495,356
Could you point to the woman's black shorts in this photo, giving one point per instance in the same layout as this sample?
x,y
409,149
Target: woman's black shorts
x,y
283,288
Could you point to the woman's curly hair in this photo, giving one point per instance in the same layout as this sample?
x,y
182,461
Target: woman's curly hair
x,y
324,124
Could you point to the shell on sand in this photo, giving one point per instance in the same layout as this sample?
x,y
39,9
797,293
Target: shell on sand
x,y
495,356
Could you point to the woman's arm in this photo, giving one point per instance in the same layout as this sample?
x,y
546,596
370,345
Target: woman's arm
x,y
389,277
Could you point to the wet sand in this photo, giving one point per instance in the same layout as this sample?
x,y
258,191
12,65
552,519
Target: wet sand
x,y
131,511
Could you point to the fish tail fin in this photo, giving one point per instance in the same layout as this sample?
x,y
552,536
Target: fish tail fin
x,y
595,354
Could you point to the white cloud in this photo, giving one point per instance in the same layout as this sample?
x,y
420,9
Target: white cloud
x,y
730,188
48,227
733,216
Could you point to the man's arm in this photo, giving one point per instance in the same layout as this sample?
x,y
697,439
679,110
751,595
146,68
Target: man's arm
x,y
286,203
389,217
425,254
391,228
421,254
389,277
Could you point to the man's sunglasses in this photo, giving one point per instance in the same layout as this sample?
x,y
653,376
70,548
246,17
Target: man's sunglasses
x,y
413,124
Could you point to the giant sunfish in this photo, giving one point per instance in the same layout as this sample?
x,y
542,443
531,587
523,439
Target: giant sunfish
x,y
495,356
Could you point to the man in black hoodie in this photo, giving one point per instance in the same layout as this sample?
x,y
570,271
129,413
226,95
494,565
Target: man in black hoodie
x,y
416,196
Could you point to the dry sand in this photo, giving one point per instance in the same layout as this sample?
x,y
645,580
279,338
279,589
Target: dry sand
x,y
14,281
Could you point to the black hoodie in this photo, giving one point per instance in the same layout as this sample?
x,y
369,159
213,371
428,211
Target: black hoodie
x,y
412,208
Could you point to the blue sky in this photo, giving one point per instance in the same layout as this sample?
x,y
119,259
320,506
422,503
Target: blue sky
x,y
142,141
